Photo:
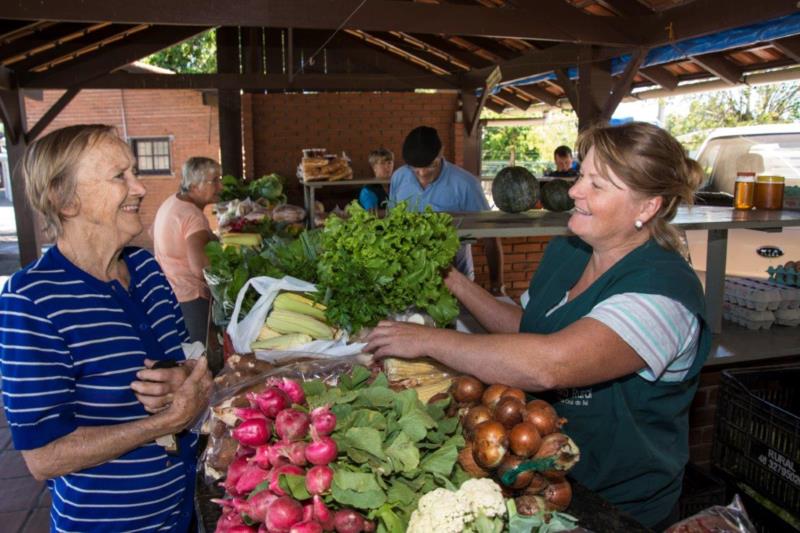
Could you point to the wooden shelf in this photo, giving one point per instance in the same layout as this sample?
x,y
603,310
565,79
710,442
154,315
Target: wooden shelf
x,y
344,183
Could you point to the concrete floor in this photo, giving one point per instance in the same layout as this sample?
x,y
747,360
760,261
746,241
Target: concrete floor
x,y
24,502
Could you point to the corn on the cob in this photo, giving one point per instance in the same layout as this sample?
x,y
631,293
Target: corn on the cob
x,y
401,369
284,321
282,342
267,333
297,303
241,239
429,390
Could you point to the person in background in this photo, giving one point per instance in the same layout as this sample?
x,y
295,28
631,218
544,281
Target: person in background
x,y
428,179
374,196
565,165
81,329
613,323
180,234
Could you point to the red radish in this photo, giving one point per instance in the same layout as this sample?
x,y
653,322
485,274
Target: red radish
x,y
322,514
306,527
261,457
271,401
258,504
293,389
295,452
275,477
321,451
246,413
323,420
251,477
291,424
319,479
308,511
252,432
235,471
348,521
282,514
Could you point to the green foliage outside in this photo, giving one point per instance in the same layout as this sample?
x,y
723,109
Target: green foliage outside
x,y
763,104
197,55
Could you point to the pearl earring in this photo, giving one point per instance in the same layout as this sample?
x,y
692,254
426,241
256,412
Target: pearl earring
x,y
638,224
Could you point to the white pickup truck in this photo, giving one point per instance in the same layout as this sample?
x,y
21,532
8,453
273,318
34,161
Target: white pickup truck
x,y
772,150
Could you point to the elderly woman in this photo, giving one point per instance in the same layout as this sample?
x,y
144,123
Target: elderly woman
x,y
180,234
80,330
613,321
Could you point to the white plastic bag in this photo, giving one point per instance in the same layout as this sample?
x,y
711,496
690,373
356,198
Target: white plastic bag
x,y
244,332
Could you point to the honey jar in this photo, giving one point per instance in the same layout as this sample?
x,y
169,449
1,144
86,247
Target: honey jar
x,y
744,189
769,192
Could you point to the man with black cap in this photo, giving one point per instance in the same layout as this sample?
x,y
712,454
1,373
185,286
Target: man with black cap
x,y
428,179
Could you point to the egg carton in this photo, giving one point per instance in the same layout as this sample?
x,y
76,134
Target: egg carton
x,y
749,318
789,296
749,293
788,317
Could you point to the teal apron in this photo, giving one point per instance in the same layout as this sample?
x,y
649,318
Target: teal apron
x,y
633,433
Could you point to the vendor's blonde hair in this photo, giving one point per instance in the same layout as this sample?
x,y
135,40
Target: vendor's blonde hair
x,y
48,168
651,162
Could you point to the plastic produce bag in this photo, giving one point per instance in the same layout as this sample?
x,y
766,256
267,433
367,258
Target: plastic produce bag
x,y
243,332
720,519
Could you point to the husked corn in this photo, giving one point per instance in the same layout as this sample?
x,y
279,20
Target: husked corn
x,y
298,303
284,321
282,342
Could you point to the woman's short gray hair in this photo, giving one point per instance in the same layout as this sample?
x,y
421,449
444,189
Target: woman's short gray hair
x,y
49,168
196,170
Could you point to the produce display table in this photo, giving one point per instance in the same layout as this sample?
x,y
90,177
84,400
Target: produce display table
x,y
310,187
594,513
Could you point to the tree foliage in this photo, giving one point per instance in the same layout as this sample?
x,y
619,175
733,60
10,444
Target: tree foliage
x,y
197,55
498,141
764,104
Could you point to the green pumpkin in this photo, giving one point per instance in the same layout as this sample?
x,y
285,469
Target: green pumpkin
x,y
515,189
555,195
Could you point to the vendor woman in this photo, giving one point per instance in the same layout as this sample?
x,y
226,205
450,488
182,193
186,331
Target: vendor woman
x,y
613,321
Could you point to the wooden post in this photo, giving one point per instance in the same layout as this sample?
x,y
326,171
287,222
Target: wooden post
x,y
472,136
13,112
230,103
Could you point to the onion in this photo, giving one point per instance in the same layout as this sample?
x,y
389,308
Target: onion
x,y
291,424
319,479
537,485
477,414
514,392
558,495
509,463
530,505
323,420
492,395
467,389
282,514
508,411
524,439
490,444
542,415
271,401
561,448
467,462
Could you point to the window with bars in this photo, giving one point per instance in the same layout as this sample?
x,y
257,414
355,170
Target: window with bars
x,y
152,155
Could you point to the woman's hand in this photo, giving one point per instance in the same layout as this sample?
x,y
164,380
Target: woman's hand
x,y
400,339
155,387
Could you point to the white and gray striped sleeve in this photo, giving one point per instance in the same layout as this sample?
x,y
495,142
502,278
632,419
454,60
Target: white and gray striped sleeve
x,y
661,330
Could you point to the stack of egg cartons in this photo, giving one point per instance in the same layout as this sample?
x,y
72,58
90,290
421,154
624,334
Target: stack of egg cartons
x,y
757,304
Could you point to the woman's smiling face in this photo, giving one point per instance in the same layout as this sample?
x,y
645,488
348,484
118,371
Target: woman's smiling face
x,y
605,207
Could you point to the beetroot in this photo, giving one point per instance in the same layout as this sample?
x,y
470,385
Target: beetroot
x,y
323,420
319,479
271,401
282,514
291,424
251,477
252,432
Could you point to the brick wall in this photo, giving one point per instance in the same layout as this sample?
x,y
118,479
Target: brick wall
x,y
179,114
521,256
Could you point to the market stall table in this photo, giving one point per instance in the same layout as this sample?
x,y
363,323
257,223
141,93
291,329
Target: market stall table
x,y
309,188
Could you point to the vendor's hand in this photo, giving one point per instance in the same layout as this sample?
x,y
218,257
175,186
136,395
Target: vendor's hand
x,y
453,278
191,399
155,387
400,339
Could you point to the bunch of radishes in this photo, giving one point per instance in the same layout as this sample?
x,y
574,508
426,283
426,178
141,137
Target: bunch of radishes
x,y
276,436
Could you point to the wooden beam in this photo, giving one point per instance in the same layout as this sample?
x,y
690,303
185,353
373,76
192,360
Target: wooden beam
x,y
44,39
627,8
495,106
660,76
85,68
50,114
539,93
230,103
790,47
717,65
6,79
445,45
553,20
703,17
568,86
507,95
472,145
623,84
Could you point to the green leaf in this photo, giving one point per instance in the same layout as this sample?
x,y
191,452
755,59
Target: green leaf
x,y
441,461
359,376
406,401
356,489
390,521
367,418
415,423
380,380
376,397
403,453
402,494
313,388
294,485
366,439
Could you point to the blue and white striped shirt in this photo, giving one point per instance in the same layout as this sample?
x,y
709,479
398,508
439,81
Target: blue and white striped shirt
x,y
71,346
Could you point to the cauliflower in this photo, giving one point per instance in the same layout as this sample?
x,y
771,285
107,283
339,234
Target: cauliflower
x,y
444,511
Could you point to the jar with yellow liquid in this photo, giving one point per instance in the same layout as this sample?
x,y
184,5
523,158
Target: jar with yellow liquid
x,y
769,192
744,190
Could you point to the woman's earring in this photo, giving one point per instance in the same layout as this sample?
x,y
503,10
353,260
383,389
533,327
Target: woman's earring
x,y
638,224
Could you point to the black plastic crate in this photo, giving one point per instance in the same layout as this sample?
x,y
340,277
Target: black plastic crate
x,y
757,432
700,491
762,518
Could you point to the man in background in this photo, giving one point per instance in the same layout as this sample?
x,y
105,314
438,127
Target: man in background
x,y
565,165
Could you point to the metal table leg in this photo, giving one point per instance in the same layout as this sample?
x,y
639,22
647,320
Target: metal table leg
x,y
716,254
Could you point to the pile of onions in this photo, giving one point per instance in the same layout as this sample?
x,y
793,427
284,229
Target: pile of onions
x,y
502,431
277,436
